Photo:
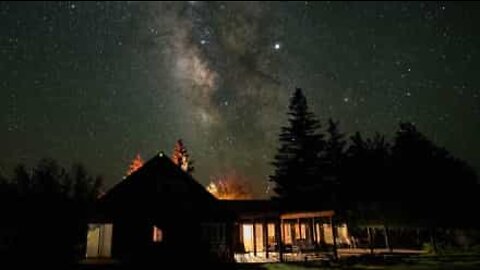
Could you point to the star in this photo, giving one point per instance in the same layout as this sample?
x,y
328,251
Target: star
x,y
154,72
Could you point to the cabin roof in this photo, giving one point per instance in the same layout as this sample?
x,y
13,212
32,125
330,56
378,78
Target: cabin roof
x,y
158,188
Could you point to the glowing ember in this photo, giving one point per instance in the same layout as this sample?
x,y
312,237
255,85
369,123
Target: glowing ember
x,y
135,165
229,187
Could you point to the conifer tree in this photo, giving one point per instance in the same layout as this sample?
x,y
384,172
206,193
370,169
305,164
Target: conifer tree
x,y
296,163
181,158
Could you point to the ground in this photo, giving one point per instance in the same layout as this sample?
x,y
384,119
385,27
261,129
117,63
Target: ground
x,y
444,262
461,261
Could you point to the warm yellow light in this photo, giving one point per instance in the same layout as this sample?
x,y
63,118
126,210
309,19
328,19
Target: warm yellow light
x,y
247,237
157,234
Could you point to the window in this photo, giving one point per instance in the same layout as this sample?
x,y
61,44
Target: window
x,y
247,231
303,231
157,234
259,236
271,233
287,233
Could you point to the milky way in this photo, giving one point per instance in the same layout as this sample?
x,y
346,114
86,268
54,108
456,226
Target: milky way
x,y
99,82
226,86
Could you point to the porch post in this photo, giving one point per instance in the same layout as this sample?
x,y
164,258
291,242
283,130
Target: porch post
x,y
265,238
293,232
279,238
322,233
254,239
370,239
387,239
240,237
312,232
334,235
299,229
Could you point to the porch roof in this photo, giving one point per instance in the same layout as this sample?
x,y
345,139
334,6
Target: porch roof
x,y
314,214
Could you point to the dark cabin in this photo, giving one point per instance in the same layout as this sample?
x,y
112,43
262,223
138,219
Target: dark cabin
x,y
159,212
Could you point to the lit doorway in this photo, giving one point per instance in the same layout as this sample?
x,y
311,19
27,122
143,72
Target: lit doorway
x,y
247,237
99,241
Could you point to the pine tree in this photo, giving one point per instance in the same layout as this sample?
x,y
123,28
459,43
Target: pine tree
x,y
296,174
334,151
332,164
22,180
181,158
136,164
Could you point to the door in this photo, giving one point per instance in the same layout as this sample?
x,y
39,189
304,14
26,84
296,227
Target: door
x,y
99,240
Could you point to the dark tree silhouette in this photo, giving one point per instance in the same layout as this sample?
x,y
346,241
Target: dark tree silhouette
x,y
332,159
409,182
46,213
334,148
433,179
21,180
354,167
48,178
296,174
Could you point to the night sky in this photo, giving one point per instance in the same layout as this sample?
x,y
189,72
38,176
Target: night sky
x,y
99,82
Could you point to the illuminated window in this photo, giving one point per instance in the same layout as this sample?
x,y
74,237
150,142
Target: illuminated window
x,y
327,232
303,231
319,233
157,234
248,237
296,227
287,233
259,236
271,233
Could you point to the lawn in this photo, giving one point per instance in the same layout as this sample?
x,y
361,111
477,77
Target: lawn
x,y
416,263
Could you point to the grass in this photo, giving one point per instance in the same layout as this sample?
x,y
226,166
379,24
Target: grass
x,y
411,263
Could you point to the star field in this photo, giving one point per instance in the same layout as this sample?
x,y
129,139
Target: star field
x,y
99,82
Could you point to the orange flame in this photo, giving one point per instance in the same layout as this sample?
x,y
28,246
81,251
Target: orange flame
x,y
136,164
229,187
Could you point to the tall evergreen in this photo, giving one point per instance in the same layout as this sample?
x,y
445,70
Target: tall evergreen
x,y
433,179
334,151
181,158
330,168
297,160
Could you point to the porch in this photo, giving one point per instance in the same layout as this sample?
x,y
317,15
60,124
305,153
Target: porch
x,y
297,236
